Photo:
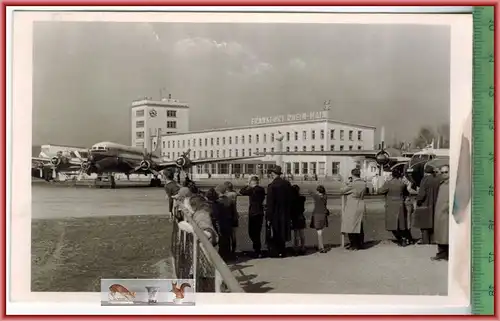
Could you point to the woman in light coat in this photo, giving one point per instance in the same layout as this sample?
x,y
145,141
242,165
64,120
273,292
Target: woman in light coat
x,y
354,210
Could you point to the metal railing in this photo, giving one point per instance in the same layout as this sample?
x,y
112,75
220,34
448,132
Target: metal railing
x,y
196,258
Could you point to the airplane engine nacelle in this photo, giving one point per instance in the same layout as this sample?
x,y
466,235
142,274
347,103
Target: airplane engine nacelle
x,y
85,165
55,161
182,162
145,165
382,158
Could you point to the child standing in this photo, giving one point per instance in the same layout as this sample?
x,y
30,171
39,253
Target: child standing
x,y
320,214
298,221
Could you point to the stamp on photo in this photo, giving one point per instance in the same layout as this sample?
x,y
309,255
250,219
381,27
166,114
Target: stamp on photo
x,y
147,292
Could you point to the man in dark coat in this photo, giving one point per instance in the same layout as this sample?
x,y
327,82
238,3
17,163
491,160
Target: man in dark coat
x,y
256,196
426,203
278,211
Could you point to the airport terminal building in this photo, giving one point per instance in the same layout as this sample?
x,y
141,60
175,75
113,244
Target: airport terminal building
x,y
309,131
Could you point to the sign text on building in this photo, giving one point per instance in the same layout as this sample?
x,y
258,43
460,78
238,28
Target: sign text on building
x,y
314,115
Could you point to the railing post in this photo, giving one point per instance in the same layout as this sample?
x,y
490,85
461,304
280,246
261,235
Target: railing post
x,y
218,281
342,208
195,254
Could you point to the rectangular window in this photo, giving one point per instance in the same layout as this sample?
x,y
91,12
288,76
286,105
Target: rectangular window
x,y
341,134
332,134
304,135
236,152
359,135
139,135
296,168
332,147
350,135
322,148
206,154
168,144
206,141
199,154
264,150
287,136
171,124
272,149
304,148
257,138
212,141
242,139
288,148
223,140
272,137
212,153
257,150
321,168
296,149
217,141
296,135
304,168
265,138
341,147
139,113
223,153
230,140
313,148
322,134
359,147
335,168
163,144
350,147
288,168
249,139
243,152
313,134
194,142
236,139
139,124
230,153
171,113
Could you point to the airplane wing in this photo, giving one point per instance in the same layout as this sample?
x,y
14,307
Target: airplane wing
x,y
353,153
46,161
162,165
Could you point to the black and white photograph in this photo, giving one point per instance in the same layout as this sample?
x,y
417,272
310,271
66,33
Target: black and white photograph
x,y
263,157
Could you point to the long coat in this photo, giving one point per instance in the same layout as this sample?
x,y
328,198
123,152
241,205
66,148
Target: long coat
x,y
355,207
279,208
442,214
396,214
319,219
423,217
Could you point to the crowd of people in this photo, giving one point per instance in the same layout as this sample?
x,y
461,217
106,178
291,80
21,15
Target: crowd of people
x,y
280,210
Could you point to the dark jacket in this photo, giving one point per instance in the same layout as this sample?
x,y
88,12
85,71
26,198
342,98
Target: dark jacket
x,y
256,196
298,209
224,212
426,202
279,208
396,215
171,188
319,219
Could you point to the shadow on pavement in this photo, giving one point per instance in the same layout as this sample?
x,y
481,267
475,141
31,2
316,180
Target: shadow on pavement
x,y
245,280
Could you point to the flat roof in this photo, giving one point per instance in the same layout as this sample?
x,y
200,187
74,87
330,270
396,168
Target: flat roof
x,y
271,125
168,103
59,145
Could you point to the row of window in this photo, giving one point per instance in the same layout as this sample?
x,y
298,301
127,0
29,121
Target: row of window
x,y
204,154
170,113
170,124
241,139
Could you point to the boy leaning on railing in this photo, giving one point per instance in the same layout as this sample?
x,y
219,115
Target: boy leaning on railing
x,y
199,212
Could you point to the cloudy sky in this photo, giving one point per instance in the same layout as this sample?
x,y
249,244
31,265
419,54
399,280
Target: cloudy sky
x,y
86,74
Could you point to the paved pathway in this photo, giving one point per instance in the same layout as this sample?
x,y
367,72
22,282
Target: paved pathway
x,y
383,269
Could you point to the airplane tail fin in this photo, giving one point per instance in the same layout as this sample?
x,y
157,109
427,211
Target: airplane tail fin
x,y
157,147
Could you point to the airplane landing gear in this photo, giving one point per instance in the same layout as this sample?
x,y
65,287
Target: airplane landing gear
x,y
111,179
155,182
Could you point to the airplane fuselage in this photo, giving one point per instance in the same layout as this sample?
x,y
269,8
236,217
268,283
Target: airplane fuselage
x,y
115,158
416,166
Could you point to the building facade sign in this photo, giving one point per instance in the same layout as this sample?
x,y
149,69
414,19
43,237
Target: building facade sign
x,y
314,115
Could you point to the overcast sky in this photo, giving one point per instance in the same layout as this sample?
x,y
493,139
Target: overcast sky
x,y
86,74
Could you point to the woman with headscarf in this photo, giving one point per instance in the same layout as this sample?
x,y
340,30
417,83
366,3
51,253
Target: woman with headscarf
x,y
354,210
396,215
320,214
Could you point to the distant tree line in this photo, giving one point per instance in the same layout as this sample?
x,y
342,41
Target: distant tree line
x,y
426,136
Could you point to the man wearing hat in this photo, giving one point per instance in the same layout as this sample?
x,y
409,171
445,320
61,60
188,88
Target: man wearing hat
x,y
423,217
278,211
